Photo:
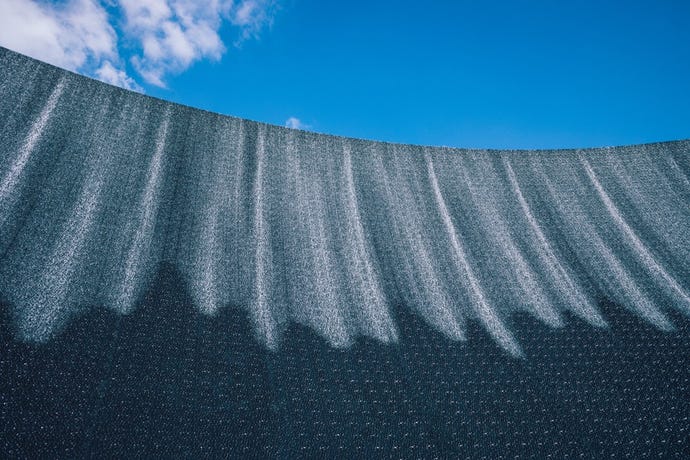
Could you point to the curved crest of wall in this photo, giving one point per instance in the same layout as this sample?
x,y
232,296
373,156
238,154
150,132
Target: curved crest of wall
x,y
99,186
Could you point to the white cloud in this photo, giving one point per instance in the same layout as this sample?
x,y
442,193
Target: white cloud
x,y
296,123
176,33
173,34
252,16
163,37
108,73
68,35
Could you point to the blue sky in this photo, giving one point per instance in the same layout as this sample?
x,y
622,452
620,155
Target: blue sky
x,y
501,74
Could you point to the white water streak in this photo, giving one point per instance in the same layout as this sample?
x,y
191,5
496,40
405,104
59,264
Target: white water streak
x,y
52,285
655,199
240,225
139,248
206,288
429,295
261,302
319,303
678,172
525,277
641,251
613,274
364,275
484,311
577,300
13,176
209,248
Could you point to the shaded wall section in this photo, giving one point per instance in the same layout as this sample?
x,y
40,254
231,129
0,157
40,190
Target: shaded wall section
x,y
177,282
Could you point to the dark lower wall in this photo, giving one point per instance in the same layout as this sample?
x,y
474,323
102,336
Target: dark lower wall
x,y
167,381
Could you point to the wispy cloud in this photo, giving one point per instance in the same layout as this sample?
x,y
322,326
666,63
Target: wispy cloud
x,y
252,16
296,123
159,37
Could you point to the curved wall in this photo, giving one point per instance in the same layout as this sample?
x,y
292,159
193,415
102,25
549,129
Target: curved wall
x,y
99,185
111,201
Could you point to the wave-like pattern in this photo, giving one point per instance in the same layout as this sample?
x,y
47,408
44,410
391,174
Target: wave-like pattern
x,y
99,186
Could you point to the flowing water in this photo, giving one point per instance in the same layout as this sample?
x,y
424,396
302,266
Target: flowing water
x,y
100,186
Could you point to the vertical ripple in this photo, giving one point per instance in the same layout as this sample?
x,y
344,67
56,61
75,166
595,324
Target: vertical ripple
x,y
578,301
518,273
260,309
660,207
609,270
49,301
366,284
212,214
138,252
641,251
12,178
317,295
413,263
485,313
239,226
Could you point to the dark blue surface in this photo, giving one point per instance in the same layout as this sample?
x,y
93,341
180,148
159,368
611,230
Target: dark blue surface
x,y
166,381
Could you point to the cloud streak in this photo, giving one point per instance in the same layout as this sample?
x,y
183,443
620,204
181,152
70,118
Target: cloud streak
x,y
296,123
158,38
251,17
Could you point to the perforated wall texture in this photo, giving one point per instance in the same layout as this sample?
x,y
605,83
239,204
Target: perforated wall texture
x,y
178,283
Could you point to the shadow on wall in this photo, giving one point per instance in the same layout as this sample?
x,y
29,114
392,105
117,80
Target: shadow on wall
x,y
166,380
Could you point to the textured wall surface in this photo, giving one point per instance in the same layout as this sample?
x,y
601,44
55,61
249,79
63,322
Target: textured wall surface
x,y
180,283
